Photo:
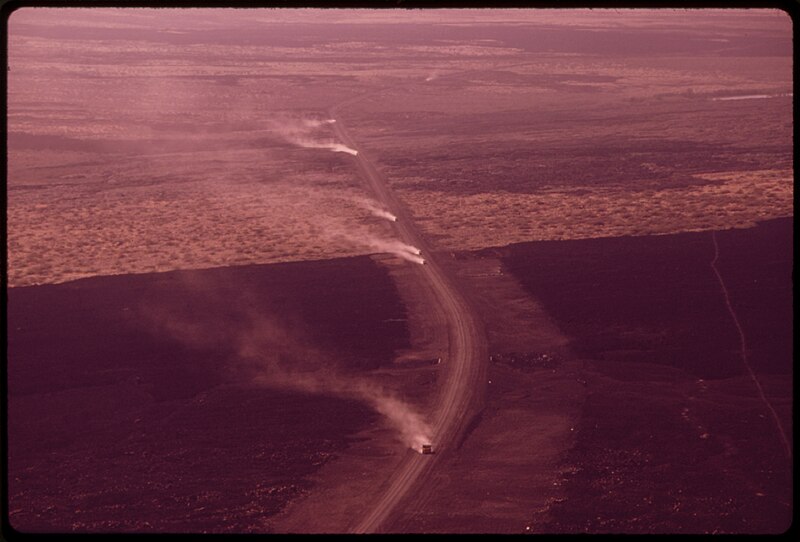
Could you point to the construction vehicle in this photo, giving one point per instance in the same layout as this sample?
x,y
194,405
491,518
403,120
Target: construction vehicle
x,y
427,449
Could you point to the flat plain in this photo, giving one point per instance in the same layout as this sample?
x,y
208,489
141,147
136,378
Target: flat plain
x,y
170,228
138,149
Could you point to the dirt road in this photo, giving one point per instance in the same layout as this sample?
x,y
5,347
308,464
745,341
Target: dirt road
x,y
463,376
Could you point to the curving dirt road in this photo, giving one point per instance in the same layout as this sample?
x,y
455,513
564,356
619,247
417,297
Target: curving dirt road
x,y
463,379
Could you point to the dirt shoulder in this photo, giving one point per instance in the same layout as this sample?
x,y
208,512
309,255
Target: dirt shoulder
x,y
504,475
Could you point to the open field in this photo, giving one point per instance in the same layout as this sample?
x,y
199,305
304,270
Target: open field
x,y
668,306
509,156
213,327
672,436
133,405
636,424
136,149
615,438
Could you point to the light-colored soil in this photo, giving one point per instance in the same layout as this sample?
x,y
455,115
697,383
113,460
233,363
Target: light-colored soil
x,y
58,234
484,220
189,173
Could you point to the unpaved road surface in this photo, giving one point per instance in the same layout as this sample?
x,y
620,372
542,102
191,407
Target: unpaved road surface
x,y
463,378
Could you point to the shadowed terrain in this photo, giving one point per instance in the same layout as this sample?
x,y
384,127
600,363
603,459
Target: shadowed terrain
x,y
119,422
672,436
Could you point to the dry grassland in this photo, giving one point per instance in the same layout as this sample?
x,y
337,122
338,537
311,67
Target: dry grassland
x,y
154,152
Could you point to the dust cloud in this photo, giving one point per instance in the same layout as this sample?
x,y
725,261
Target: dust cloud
x,y
374,208
304,132
316,123
359,236
273,353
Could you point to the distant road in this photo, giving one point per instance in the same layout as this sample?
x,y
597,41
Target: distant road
x,y
464,370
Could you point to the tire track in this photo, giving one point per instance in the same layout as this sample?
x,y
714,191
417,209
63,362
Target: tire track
x,y
743,351
463,381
